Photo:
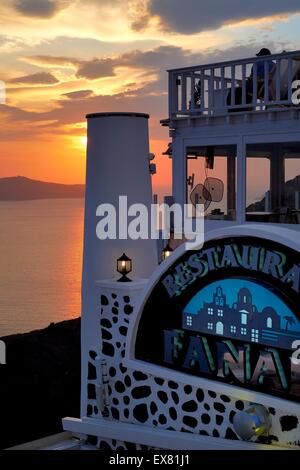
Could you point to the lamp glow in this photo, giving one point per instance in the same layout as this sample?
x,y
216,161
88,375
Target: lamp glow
x,y
124,266
166,252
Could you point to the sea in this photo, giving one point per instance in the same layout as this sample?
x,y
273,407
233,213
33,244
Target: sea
x,y
40,263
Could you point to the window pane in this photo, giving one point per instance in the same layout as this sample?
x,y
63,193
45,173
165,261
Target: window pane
x,y
273,183
211,180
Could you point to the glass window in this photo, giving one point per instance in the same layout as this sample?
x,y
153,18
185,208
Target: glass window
x,y
243,331
189,321
244,319
211,180
269,322
220,312
273,183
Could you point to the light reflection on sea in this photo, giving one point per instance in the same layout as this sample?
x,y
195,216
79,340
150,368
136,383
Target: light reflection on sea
x,y
40,263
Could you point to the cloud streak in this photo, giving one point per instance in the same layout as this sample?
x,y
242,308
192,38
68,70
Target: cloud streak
x,y
192,16
78,95
40,8
156,60
39,78
161,58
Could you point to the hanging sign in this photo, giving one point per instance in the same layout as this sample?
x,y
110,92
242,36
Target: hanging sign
x,y
229,312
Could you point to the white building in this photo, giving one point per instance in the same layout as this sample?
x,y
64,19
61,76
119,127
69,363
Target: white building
x,y
235,145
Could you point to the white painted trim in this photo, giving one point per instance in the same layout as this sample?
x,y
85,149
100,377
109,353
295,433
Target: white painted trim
x,y
230,139
210,224
262,138
62,441
294,227
281,235
156,437
135,284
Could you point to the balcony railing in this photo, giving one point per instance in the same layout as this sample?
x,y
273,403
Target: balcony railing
x,y
255,84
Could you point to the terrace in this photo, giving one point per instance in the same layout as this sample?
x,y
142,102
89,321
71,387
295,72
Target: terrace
x,y
249,85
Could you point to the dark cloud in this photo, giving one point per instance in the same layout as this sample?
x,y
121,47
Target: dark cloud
x,y
161,57
90,69
155,61
40,8
78,95
139,23
96,68
40,78
139,15
191,16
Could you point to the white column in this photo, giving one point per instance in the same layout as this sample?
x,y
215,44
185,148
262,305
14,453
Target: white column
x,y
241,181
117,164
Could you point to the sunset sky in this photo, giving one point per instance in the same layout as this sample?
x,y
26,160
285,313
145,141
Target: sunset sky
x,y
62,59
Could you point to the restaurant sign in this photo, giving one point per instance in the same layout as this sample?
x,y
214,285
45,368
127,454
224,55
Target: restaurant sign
x,y
229,312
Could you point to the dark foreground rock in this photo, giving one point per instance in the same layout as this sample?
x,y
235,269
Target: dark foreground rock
x,y
40,383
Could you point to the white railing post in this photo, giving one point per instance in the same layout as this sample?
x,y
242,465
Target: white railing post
x,y
223,87
278,84
183,93
254,80
232,85
193,104
244,84
266,82
290,78
202,99
173,95
211,92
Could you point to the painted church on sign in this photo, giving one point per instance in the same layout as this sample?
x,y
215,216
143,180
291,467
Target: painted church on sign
x,y
242,319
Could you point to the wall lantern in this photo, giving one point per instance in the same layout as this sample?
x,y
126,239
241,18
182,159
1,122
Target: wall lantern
x,y
124,266
166,252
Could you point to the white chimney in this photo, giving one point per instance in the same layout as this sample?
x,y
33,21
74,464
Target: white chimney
x,y
117,164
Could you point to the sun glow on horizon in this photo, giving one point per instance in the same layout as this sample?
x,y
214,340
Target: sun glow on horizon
x,y
83,140
90,56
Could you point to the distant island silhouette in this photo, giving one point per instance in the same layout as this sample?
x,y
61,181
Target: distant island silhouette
x,y
289,191
20,188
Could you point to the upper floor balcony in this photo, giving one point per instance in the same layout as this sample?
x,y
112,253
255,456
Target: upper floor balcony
x,y
255,85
